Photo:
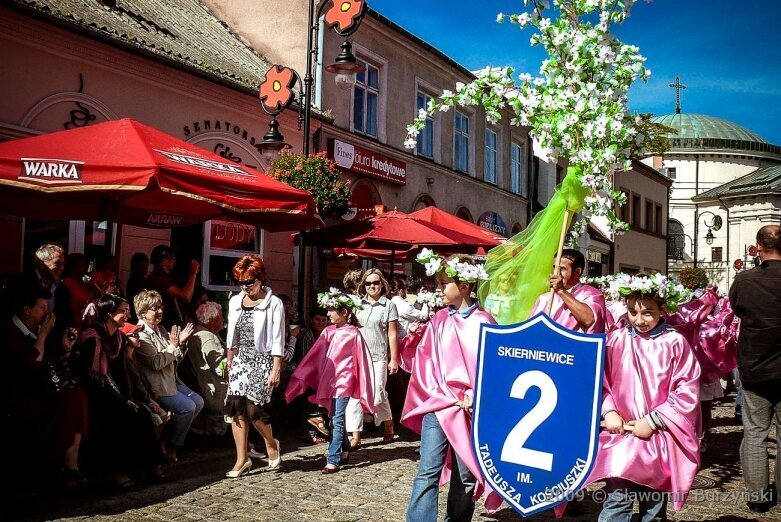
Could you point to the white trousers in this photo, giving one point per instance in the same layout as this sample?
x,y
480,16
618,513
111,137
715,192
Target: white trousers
x,y
354,413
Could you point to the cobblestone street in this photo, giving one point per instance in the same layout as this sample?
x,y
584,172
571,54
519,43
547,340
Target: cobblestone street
x,y
375,486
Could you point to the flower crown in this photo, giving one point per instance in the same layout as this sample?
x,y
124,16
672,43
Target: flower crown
x,y
453,268
335,298
430,299
670,291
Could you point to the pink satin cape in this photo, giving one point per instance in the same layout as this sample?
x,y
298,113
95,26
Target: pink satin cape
x,y
644,374
717,343
443,371
616,315
408,347
338,365
586,294
708,333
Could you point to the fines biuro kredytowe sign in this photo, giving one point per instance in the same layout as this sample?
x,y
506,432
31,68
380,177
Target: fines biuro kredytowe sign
x,y
537,410
365,161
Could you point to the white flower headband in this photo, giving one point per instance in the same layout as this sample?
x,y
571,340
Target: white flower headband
x,y
430,299
453,268
617,286
335,298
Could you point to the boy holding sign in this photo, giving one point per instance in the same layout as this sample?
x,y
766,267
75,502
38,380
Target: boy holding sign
x,y
439,398
650,405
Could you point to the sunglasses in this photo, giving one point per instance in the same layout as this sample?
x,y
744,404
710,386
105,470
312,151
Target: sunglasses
x,y
371,283
248,282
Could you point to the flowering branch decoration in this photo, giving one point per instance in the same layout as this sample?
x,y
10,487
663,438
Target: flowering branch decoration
x,y
471,273
577,107
430,299
670,291
335,298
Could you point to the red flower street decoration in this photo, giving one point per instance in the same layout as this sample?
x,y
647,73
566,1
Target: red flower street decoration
x,y
344,14
276,91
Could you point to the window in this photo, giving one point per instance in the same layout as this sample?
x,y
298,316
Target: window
x,y
426,136
671,172
623,211
649,216
461,145
516,168
365,100
636,212
658,220
489,174
715,255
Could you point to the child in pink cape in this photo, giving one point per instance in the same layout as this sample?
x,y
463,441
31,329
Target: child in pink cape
x,y
650,405
439,397
408,345
338,367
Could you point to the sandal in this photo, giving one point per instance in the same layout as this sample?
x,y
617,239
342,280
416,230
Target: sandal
x,y
355,444
126,485
318,424
318,440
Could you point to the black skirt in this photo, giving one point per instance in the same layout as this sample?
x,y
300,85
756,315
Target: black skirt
x,y
240,406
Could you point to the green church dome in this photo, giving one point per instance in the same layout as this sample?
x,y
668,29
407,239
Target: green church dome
x,y
699,132
700,126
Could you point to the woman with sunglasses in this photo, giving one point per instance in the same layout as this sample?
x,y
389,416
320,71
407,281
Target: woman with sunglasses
x,y
256,341
122,435
378,319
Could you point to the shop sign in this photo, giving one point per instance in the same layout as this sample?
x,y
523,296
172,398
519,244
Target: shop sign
x,y
594,257
364,161
225,126
493,221
231,235
50,170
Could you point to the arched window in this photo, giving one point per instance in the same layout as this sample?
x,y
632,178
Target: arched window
x,y
674,227
422,202
516,228
464,213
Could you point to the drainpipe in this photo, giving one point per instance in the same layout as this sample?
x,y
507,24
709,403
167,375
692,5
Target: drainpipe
x,y
696,207
529,179
667,232
729,264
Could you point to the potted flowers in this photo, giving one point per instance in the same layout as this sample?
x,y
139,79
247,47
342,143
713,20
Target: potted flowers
x,y
316,174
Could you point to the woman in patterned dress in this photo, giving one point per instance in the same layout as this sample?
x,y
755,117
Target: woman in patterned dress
x,y
256,321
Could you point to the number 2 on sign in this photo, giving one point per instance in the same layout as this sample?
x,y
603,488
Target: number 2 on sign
x,y
513,450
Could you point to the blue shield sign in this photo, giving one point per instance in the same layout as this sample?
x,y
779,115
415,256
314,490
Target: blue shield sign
x,y
537,410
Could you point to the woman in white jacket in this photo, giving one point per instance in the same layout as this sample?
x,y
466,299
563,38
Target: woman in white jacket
x,y
256,321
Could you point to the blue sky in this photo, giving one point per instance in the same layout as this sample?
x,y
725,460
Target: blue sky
x,y
727,53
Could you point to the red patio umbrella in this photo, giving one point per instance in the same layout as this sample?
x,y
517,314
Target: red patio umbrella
x,y
127,172
394,231
448,220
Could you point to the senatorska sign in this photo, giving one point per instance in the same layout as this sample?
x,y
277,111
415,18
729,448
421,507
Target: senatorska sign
x,y
537,410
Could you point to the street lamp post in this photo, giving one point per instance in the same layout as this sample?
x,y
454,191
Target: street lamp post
x,y
714,223
276,91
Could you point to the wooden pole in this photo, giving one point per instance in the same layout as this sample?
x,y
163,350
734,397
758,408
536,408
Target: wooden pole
x,y
562,238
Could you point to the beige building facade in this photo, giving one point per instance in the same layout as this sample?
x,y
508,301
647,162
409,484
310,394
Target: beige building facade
x,y
82,68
